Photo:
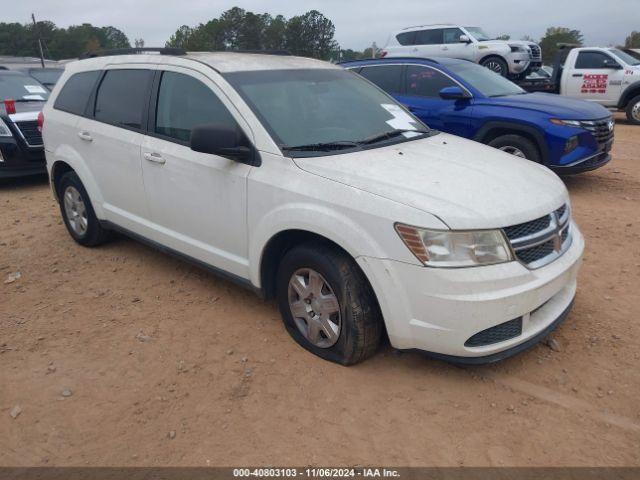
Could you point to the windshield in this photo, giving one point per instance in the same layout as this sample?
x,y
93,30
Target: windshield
x,y
478,33
320,110
20,87
47,76
488,83
625,57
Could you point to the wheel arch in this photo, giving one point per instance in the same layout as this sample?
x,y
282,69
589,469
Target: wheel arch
x,y
275,249
494,129
66,160
630,92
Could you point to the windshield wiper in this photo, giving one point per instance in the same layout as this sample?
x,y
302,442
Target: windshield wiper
x,y
390,134
321,147
25,100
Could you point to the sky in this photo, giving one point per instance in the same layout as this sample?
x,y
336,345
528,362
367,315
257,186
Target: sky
x,y
358,22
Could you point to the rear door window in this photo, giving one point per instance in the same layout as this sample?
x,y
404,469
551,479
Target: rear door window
x,y
387,77
76,91
122,97
429,37
426,82
185,102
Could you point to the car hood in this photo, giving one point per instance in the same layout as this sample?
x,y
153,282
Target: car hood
x,y
555,105
465,184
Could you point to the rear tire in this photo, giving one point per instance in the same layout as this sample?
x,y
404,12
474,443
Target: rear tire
x,y
496,64
354,327
516,145
633,110
77,212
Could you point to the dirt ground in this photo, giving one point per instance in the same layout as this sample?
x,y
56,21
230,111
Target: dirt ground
x,y
163,364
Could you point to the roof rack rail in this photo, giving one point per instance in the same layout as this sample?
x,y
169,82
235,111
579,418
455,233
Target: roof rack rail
x,y
429,25
262,52
132,51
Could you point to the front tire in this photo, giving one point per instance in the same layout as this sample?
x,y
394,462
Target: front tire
x,y
77,212
327,305
496,64
516,145
633,110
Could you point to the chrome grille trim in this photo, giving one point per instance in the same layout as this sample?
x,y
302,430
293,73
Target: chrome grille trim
x,y
602,129
29,132
531,249
536,52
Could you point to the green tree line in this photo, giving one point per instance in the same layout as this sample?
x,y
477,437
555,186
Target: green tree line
x,y
22,40
309,35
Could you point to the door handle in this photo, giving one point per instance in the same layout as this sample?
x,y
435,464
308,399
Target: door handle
x,y
576,75
86,136
154,157
445,48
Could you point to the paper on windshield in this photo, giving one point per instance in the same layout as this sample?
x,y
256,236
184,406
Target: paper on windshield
x,y
401,120
34,89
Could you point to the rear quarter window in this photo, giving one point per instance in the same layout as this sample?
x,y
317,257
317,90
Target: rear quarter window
x,y
406,38
387,77
76,91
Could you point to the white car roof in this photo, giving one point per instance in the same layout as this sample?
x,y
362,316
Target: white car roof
x,y
224,62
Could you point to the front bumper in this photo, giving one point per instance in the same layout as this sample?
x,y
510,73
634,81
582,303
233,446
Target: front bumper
x,y
518,62
585,165
18,160
438,310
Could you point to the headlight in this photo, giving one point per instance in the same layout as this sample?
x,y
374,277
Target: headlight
x,y
450,248
4,130
517,49
566,123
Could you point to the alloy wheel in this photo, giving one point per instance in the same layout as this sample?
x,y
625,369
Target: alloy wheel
x,y
314,307
75,210
513,151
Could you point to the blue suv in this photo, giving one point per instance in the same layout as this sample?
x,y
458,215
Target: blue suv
x,y
459,97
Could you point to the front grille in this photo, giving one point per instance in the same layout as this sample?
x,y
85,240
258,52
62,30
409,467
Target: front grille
x,y
533,254
30,132
499,333
600,129
536,53
528,228
540,241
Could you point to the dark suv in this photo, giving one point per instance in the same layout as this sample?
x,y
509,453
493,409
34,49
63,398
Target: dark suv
x,y
21,149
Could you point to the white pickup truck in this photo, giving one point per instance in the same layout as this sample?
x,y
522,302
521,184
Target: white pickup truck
x,y
607,76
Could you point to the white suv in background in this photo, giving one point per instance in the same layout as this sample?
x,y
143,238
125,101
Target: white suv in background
x,y
508,58
304,182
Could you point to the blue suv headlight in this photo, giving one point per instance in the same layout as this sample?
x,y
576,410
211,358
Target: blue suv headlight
x,y
566,123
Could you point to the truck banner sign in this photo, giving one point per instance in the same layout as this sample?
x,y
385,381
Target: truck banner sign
x,y
594,83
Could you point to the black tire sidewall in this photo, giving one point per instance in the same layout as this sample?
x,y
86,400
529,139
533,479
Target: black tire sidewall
x,y
307,257
525,145
93,226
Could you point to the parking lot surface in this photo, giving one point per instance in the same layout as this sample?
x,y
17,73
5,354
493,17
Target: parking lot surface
x,y
122,355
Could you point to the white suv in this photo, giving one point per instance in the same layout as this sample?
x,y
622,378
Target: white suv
x,y
513,58
305,182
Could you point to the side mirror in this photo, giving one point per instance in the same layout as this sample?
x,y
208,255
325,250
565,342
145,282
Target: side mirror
x,y
453,93
612,64
223,141
464,39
